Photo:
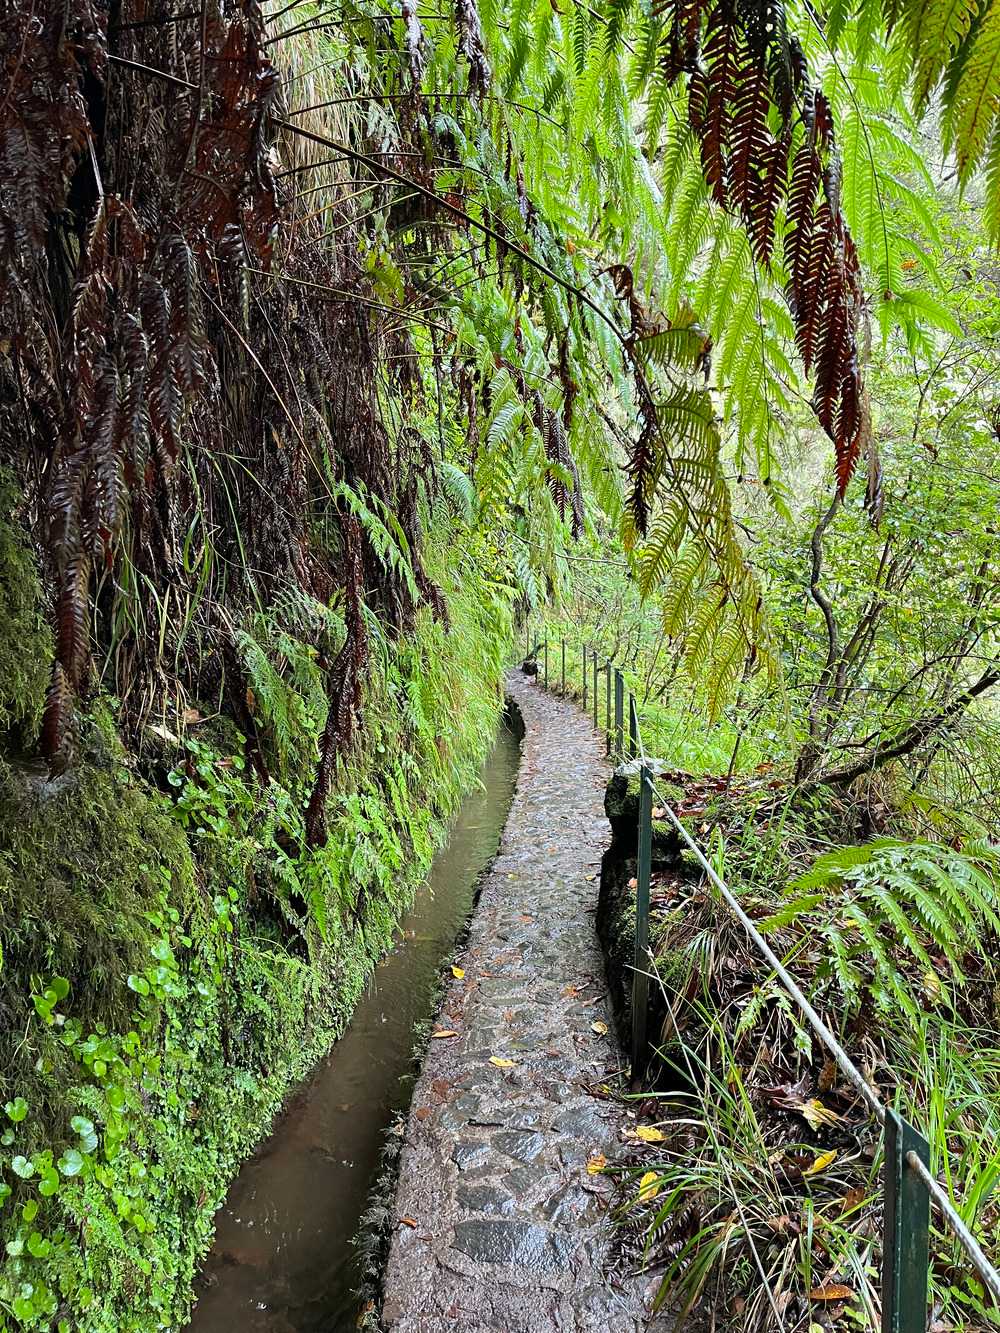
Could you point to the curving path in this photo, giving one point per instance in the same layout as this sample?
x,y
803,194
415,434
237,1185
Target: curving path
x,y
505,1228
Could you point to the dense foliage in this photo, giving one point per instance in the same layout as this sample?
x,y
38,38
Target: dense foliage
x,y
337,336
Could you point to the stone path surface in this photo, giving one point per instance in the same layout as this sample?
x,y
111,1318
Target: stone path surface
x,y
506,1231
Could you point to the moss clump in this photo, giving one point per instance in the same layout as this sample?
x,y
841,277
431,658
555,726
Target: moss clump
x,y
173,966
25,639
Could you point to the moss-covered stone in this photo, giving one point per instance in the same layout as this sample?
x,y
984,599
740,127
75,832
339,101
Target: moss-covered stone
x,y
25,638
621,805
82,859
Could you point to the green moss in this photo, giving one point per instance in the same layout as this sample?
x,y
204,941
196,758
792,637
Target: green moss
x,y
25,639
211,959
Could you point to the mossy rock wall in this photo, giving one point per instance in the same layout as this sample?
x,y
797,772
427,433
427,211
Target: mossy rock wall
x,y
175,960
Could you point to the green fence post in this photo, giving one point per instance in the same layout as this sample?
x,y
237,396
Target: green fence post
x,y
640,962
619,718
584,677
607,703
633,727
563,646
906,1224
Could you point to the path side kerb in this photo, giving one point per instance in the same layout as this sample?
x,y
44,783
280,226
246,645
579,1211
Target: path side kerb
x,y
499,1224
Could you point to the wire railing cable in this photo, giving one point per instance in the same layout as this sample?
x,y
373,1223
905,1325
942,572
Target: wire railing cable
x,y
965,1238
902,1272
974,1252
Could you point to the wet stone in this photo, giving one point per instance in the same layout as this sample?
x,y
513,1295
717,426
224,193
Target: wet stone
x,y
520,1244
485,1199
469,1153
522,1145
524,1181
581,1123
572,1153
501,986
572,1206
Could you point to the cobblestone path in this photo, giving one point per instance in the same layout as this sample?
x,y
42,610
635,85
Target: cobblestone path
x,y
506,1230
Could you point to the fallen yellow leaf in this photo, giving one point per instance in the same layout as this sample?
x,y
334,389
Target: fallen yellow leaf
x,y
458,972
832,1291
501,1063
816,1114
596,1164
649,1186
650,1135
821,1163
444,1032
407,1221
600,1028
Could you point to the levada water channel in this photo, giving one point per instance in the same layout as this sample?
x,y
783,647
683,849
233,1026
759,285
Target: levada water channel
x,y
284,1259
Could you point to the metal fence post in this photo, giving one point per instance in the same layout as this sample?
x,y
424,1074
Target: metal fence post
x,y
633,727
619,719
563,645
584,677
595,690
640,963
545,652
607,704
905,1247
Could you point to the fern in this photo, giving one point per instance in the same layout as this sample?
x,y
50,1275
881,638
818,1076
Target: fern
x,y
881,909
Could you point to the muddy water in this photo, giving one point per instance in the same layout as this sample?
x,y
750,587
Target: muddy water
x,y
283,1260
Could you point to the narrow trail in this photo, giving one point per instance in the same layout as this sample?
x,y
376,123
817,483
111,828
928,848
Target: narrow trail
x,y
506,1231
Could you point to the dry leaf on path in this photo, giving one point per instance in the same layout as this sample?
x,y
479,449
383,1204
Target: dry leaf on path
x,y
596,1164
458,972
600,1028
445,1032
816,1114
650,1135
501,1063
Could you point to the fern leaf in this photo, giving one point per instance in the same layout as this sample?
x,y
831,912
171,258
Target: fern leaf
x,y
976,98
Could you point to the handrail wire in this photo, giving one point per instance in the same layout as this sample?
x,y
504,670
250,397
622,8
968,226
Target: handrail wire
x,y
974,1252
968,1242
989,1275
847,1066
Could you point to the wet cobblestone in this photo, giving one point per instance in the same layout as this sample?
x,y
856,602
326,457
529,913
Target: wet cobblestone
x,y
511,1233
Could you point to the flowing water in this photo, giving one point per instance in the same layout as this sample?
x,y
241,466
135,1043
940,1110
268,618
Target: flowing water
x,y
283,1259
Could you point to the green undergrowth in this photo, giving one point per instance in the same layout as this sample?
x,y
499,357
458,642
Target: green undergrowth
x,y
175,957
673,719
764,1198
